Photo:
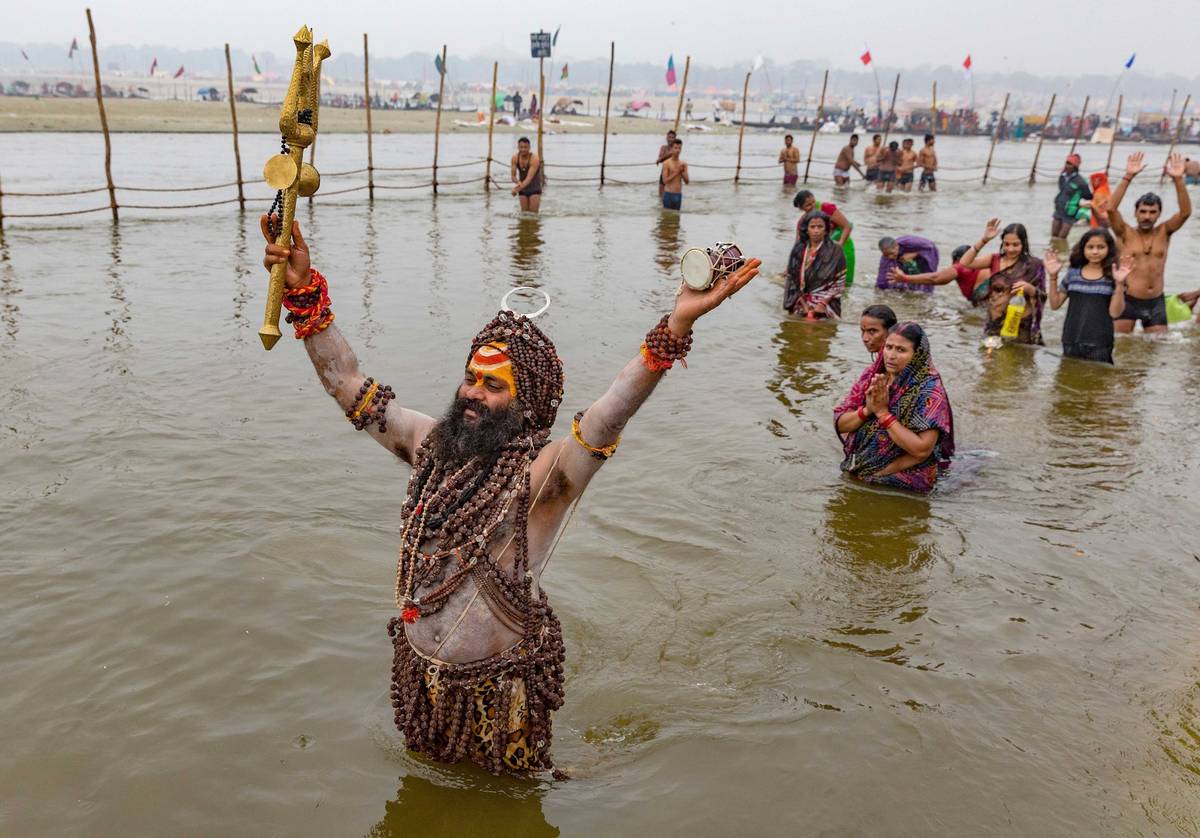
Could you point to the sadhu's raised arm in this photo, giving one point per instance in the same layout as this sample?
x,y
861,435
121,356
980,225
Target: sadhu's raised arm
x,y
598,429
367,403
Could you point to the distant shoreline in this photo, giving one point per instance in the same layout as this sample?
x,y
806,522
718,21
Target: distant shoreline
x,y
23,114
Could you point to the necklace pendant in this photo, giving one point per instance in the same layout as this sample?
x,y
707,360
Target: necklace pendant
x,y
410,614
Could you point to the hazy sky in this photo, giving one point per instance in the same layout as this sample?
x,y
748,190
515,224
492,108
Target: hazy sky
x,y
1036,36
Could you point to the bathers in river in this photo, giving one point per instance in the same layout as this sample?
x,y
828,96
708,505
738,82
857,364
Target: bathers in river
x,y
672,200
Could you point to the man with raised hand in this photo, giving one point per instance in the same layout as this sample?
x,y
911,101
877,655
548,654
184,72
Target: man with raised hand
x,y
1147,241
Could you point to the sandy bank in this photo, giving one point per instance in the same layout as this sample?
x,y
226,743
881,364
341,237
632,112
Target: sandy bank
x,y
178,116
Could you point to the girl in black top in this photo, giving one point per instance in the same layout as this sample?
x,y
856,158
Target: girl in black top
x,y
1095,287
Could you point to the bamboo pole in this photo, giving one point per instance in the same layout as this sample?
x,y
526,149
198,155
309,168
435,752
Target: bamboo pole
x,y
737,175
995,133
1079,125
817,127
887,129
933,112
541,114
1041,139
233,113
487,169
1,209
112,191
687,65
1116,129
612,57
1178,133
367,102
437,123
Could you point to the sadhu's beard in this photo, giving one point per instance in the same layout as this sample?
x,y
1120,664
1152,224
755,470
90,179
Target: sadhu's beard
x,y
456,440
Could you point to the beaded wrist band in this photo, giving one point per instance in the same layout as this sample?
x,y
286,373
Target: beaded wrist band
x,y
602,453
308,307
662,349
371,406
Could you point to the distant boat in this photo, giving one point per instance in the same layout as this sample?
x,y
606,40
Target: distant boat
x,y
1102,135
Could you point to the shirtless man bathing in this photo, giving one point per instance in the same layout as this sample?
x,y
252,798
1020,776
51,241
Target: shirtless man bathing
x,y
1147,241
664,151
846,162
927,160
871,158
526,172
908,163
674,175
789,156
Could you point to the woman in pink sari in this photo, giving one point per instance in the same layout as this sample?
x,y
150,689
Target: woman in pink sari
x,y
896,425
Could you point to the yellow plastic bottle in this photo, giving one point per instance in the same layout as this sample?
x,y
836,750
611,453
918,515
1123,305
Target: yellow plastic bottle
x,y
1012,317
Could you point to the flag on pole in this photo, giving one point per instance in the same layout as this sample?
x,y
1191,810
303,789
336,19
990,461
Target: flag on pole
x,y
554,40
563,77
255,62
671,70
178,72
1129,63
153,65
758,63
437,62
865,58
967,65
74,46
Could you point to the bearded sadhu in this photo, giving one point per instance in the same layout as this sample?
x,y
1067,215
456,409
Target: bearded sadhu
x,y
478,652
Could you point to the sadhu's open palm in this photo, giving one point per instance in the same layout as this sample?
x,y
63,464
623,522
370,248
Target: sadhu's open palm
x,y
296,256
691,305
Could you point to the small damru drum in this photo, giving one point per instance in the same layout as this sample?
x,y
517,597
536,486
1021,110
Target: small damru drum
x,y
701,268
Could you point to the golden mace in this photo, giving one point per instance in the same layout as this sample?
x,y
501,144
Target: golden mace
x,y
287,172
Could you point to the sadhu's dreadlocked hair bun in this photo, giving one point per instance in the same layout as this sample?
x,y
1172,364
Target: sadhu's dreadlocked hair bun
x,y
536,366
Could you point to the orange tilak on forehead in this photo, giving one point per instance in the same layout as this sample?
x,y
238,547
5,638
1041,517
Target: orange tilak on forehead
x,y
492,359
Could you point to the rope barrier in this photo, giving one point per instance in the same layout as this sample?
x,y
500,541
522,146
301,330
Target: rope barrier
x,y
55,194
342,191
53,214
1014,173
428,167
178,206
181,188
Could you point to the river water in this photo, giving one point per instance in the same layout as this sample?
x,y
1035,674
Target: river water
x,y
197,552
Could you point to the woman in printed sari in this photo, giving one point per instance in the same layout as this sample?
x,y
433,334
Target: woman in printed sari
x,y
1005,273
816,272
896,425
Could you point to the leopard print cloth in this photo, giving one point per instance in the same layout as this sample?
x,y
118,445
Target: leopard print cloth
x,y
483,724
